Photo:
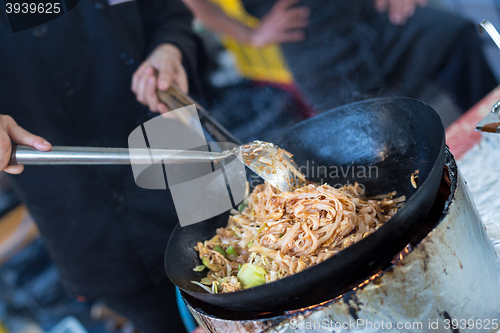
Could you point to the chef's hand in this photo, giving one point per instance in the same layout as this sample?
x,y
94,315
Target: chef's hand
x,y
11,131
283,24
399,10
167,60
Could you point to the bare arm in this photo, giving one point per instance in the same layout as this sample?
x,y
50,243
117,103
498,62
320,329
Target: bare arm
x,y
284,23
216,20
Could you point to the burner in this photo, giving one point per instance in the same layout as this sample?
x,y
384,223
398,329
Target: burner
x,y
447,279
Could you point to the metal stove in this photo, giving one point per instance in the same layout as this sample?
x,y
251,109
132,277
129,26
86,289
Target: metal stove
x,y
448,282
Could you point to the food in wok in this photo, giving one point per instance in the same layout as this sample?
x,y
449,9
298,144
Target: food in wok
x,y
276,234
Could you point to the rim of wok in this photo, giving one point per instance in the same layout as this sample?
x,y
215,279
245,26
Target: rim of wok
x,y
339,273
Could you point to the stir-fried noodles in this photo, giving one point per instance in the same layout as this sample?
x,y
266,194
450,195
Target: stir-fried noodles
x,y
275,234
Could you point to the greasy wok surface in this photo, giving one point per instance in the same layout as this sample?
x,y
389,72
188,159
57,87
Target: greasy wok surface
x,y
395,137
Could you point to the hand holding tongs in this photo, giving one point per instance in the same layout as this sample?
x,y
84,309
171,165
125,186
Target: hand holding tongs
x,y
490,123
263,158
173,97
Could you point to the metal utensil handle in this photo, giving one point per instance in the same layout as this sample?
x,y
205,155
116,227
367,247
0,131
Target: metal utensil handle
x,y
60,155
486,25
175,98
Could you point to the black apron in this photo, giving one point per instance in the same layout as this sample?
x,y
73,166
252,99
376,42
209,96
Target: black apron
x,y
69,81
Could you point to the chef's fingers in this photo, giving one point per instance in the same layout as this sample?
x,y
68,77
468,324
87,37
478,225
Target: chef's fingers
x,y
279,19
283,5
381,5
181,79
152,98
162,108
166,75
291,36
396,11
11,131
407,10
150,94
393,11
14,169
297,13
136,77
23,137
296,18
299,23
5,147
422,3
142,83
411,8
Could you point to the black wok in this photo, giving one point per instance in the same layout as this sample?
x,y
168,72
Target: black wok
x,y
397,136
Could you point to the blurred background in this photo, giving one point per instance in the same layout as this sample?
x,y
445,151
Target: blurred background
x,y
476,11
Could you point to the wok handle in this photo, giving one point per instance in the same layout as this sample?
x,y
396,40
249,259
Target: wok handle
x,y
61,155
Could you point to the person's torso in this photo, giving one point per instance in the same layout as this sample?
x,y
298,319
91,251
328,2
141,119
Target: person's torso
x,y
69,81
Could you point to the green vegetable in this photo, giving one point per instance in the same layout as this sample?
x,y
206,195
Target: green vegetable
x,y
206,281
250,244
220,250
242,206
231,251
215,287
206,262
251,276
239,267
199,268
262,227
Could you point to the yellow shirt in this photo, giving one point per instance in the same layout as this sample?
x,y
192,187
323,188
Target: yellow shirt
x,y
261,64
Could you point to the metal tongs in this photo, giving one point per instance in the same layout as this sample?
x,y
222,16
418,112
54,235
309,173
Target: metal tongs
x,y
490,123
265,159
271,163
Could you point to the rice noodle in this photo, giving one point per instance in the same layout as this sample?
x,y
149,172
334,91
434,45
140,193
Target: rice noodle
x,y
287,232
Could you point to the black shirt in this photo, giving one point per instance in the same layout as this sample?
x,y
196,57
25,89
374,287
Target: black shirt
x,y
69,81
